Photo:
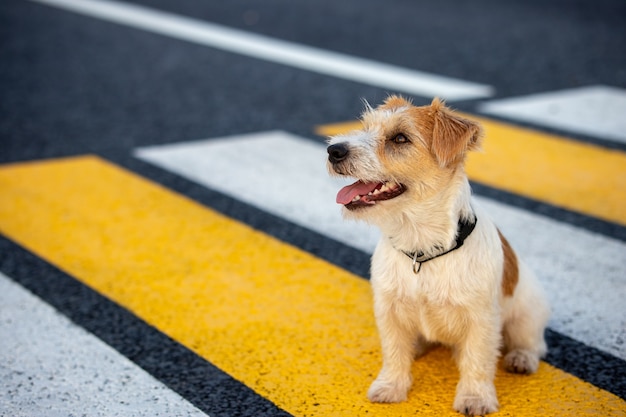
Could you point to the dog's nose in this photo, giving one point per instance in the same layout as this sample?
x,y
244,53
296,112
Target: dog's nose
x,y
337,152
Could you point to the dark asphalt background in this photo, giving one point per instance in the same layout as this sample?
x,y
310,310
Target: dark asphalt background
x,y
72,85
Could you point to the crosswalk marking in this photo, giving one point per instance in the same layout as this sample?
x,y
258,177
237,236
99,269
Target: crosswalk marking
x,y
296,329
253,168
275,50
577,176
51,367
595,110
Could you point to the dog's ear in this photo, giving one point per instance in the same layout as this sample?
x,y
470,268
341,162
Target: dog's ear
x,y
453,135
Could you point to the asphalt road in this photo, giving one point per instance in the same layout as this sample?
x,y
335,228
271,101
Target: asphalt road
x,y
74,85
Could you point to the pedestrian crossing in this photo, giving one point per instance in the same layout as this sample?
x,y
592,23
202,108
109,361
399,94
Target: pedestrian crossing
x,y
592,110
296,329
49,366
217,277
254,169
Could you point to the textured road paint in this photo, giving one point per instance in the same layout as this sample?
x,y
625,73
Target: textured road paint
x,y
294,328
285,175
275,50
597,110
577,176
276,171
51,367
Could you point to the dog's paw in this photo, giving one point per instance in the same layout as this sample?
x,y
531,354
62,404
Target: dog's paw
x,y
521,362
382,391
475,406
476,401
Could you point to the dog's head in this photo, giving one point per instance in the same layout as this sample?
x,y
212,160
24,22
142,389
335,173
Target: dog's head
x,y
402,153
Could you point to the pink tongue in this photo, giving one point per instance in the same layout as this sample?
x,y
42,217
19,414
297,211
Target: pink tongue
x,y
347,193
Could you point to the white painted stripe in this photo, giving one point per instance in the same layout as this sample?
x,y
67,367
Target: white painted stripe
x,y
584,273
278,51
595,111
51,367
275,171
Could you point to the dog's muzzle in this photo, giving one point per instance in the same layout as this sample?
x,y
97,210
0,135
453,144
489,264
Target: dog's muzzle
x,y
337,153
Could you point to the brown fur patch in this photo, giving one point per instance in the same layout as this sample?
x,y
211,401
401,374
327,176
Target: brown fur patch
x,y
453,135
395,102
510,274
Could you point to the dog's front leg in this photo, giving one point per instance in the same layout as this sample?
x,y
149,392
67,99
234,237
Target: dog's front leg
x,y
477,357
398,348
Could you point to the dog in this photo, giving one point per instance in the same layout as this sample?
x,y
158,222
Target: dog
x,y
442,273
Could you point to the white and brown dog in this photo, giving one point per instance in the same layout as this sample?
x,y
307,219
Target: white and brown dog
x,y
442,272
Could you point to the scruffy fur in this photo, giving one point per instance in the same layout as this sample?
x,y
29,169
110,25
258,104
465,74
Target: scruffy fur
x,y
480,299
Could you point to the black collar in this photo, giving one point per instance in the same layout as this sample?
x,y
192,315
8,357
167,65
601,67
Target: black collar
x,y
464,229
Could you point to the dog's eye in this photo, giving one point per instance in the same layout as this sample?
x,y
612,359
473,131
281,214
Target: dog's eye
x,y
400,138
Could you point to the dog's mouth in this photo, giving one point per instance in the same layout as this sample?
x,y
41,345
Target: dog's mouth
x,y
364,194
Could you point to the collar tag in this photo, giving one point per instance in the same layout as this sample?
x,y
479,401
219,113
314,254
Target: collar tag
x,y
464,229
416,265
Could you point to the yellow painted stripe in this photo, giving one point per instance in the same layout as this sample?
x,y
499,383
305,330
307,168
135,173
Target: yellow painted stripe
x,y
577,176
297,330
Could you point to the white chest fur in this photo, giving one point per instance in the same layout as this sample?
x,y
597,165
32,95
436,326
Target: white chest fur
x,y
438,301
